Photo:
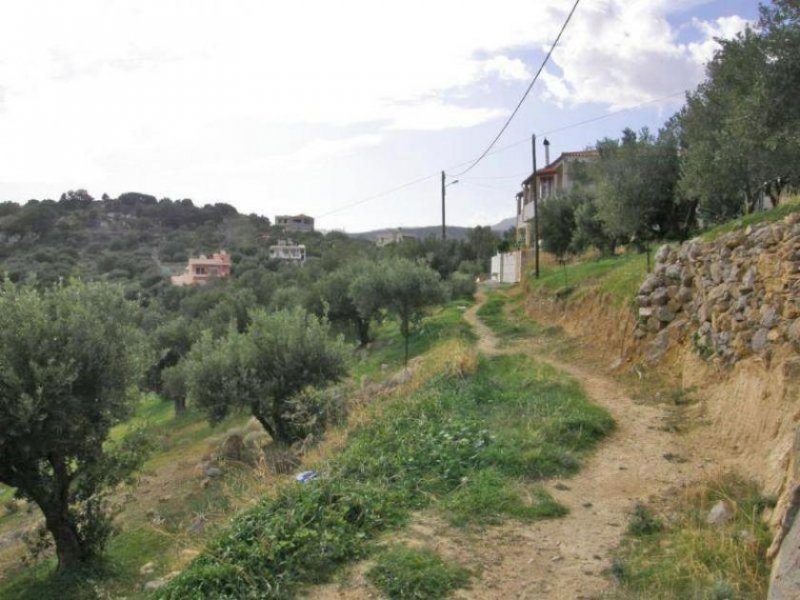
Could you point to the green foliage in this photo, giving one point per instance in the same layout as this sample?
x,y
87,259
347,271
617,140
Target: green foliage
x,y
557,224
262,369
643,521
493,314
69,360
461,285
636,186
439,325
415,574
416,450
409,288
618,276
488,497
740,126
685,557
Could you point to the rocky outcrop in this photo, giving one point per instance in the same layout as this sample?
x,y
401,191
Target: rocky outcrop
x,y
737,296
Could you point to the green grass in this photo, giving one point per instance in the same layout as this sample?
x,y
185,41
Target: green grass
x,y
138,542
514,420
682,557
403,573
618,276
487,497
493,313
792,205
387,347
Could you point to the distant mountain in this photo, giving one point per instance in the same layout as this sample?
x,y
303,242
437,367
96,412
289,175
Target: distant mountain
x,y
453,232
504,225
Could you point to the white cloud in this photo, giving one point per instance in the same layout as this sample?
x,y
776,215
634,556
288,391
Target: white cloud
x,y
623,53
721,28
204,98
507,69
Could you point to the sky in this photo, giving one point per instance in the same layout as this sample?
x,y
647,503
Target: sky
x,y
323,107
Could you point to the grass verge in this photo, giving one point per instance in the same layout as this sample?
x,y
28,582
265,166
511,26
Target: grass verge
x,y
792,205
415,574
387,347
493,313
619,277
511,420
681,556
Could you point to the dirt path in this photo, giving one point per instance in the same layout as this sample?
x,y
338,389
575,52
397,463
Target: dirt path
x,y
558,559
564,558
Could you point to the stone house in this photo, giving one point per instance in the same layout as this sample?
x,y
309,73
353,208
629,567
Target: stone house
x,y
295,224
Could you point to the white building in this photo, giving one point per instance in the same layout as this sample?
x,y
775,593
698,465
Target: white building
x,y
289,251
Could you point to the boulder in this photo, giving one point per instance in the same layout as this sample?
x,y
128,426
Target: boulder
x,y
673,272
760,340
233,447
649,285
664,314
660,296
662,254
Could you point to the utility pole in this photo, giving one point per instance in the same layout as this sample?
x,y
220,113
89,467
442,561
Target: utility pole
x,y
535,210
444,232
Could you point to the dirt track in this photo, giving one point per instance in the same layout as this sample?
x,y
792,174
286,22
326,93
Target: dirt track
x,y
567,558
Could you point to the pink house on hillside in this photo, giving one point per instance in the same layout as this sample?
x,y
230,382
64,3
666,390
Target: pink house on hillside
x,y
200,270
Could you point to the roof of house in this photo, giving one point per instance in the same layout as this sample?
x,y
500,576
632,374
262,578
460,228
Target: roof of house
x,y
552,168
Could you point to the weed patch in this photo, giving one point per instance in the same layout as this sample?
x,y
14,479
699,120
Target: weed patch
x,y
487,497
387,347
492,427
684,557
493,314
415,574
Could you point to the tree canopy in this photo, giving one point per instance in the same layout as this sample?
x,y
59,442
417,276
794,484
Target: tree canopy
x,y
69,361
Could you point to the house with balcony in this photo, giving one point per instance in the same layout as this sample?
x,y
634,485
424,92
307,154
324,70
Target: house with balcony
x,y
287,250
554,178
204,268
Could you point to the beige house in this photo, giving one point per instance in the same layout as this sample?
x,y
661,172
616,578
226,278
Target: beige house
x,y
554,178
203,269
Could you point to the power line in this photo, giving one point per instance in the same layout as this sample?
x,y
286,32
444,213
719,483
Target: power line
x,y
525,95
527,140
499,150
379,195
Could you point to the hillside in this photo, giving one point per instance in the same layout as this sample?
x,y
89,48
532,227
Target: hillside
x,y
134,239
453,232
432,231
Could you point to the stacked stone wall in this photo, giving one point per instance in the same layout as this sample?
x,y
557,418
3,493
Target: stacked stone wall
x,y
737,296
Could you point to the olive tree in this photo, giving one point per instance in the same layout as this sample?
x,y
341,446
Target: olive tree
x,y
409,288
69,362
265,369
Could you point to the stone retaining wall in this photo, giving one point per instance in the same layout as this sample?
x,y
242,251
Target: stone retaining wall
x,y
737,296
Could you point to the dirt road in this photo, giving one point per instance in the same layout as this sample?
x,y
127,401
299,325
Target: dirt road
x,y
566,558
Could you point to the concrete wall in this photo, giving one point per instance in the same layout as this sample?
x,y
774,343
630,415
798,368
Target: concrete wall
x,y
507,267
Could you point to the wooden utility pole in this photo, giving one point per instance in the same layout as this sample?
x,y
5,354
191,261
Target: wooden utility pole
x,y
535,210
444,230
